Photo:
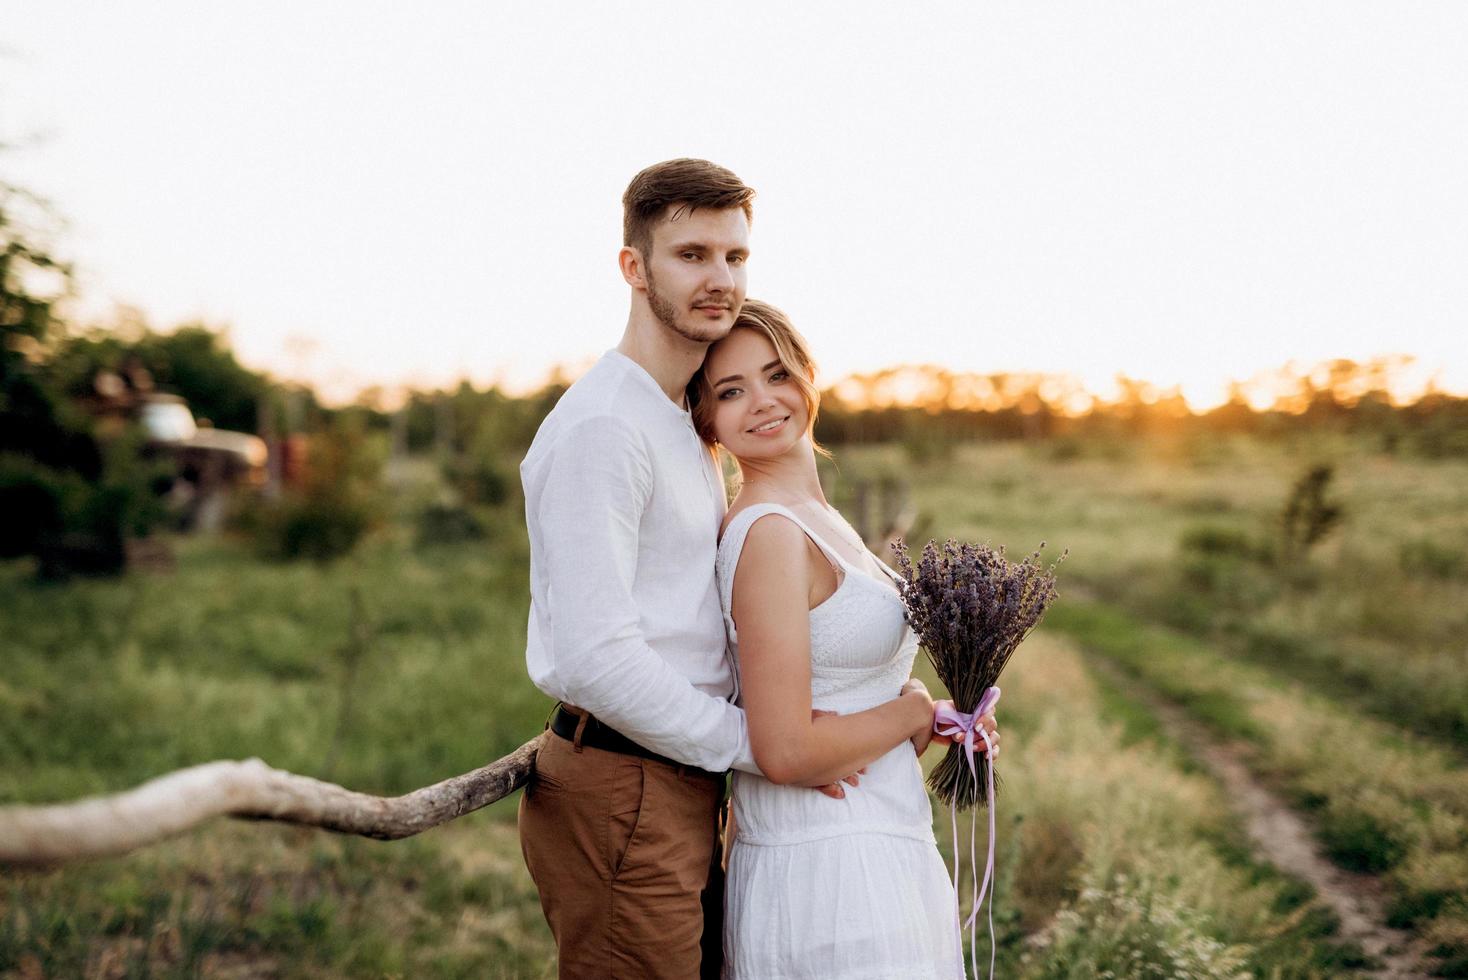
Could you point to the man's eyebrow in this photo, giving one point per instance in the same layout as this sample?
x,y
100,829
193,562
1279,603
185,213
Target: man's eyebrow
x,y
692,246
740,377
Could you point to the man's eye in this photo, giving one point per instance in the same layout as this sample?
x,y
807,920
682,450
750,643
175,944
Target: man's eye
x,y
691,256
736,260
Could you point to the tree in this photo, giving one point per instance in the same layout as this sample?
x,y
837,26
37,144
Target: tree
x,y
37,422
68,497
197,363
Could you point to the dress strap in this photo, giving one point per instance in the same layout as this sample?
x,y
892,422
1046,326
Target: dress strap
x,y
732,545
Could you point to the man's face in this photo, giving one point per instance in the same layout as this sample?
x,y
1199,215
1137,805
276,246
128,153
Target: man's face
x,y
696,271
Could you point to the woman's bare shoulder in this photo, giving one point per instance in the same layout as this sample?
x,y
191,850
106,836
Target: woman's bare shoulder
x,y
772,537
741,502
773,572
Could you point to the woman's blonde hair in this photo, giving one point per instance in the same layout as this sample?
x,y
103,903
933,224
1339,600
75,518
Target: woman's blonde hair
x,y
790,348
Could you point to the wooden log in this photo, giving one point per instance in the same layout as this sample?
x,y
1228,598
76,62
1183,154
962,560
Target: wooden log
x,y
40,836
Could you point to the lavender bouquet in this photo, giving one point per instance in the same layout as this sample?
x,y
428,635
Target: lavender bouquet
x,y
971,607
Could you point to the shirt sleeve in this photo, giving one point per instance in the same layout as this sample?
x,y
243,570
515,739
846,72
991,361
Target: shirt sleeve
x,y
590,513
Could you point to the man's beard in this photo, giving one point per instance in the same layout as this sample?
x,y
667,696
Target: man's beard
x,y
667,315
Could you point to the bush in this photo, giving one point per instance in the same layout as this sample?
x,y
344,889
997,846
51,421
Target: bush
x,y
1308,516
326,517
1131,930
925,441
441,524
31,499
480,479
72,524
1221,565
1217,540
67,496
1427,558
311,527
1360,840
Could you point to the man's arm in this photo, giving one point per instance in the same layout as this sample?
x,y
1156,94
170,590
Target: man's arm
x,y
589,516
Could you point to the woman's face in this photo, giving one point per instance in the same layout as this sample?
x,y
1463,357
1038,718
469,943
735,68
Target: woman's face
x,y
758,410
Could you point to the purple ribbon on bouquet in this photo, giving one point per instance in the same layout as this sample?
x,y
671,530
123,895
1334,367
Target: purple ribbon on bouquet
x,y
950,721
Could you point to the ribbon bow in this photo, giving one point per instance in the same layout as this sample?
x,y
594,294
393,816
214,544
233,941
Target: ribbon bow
x,y
950,721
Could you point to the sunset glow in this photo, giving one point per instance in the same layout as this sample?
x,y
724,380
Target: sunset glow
x,y
1288,388
1073,192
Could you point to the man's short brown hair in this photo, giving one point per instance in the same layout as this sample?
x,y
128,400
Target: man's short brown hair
x,y
682,183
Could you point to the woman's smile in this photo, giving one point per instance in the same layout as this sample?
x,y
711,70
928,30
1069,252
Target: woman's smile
x,y
758,409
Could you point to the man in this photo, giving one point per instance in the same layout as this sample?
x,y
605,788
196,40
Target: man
x,y
623,502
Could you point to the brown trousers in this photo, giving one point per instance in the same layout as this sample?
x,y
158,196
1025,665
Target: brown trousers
x,y
624,852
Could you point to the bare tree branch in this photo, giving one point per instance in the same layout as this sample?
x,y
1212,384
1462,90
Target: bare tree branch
x,y
37,836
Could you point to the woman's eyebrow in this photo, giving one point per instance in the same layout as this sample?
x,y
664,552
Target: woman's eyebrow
x,y
740,377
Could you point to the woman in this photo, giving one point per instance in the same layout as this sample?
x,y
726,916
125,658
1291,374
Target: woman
x,y
817,886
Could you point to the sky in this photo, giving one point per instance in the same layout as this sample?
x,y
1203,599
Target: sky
x,y
374,193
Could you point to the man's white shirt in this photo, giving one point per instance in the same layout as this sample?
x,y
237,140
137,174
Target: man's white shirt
x,y
624,502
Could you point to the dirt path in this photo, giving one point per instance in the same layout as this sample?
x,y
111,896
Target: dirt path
x,y
1283,838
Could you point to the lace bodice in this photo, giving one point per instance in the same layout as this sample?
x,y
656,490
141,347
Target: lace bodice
x,y
861,649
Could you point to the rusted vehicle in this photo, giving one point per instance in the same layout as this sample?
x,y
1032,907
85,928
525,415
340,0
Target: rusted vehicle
x,y
202,451
210,462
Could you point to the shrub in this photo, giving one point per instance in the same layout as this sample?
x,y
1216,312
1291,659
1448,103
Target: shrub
x,y
326,517
72,524
1053,853
1357,839
1307,516
1218,540
313,527
1430,559
925,441
480,478
1130,930
1222,565
444,524
67,496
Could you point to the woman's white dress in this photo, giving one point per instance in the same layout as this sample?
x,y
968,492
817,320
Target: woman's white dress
x,y
851,888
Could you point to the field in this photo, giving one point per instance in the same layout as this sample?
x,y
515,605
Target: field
x,y
1334,671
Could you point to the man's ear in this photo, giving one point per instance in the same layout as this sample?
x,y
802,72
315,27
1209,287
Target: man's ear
x,y
630,259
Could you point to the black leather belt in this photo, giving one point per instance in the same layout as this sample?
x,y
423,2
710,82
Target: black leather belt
x,y
599,736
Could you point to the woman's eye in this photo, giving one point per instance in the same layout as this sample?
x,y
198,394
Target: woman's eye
x,y
727,393
780,376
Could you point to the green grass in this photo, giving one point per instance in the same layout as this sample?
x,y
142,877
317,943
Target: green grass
x,y
111,682
1380,801
1356,644
1101,817
1375,612
399,666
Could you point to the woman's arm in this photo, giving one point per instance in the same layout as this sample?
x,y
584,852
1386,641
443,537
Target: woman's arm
x,y
772,593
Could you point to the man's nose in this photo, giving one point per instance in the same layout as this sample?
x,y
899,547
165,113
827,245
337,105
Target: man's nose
x,y
720,277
